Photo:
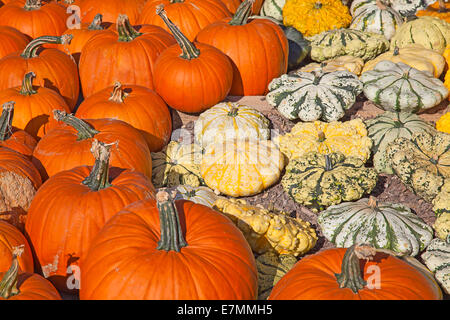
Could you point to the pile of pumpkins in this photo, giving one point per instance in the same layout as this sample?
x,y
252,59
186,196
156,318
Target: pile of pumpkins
x,y
101,201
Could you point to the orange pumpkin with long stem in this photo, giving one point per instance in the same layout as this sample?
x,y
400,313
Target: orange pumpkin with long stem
x,y
136,105
190,16
111,9
11,40
68,145
169,250
136,51
54,69
342,274
11,237
191,77
258,48
72,207
33,106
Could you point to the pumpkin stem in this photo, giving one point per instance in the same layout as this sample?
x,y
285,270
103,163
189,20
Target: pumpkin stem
x,y
380,4
118,94
189,50
321,135
96,22
171,233
6,120
98,179
350,276
125,30
8,285
396,51
32,5
85,131
27,84
233,112
176,1
31,49
242,13
442,7
372,202
318,5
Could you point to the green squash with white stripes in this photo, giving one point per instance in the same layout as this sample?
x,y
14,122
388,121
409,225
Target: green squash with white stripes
x,y
273,8
386,127
437,259
310,96
375,16
381,225
400,88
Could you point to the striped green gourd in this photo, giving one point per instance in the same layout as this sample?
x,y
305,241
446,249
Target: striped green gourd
x,y
273,8
437,259
385,128
382,225
408,8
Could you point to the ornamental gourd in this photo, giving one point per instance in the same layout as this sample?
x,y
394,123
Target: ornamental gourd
x,y
349,138
311,17
443,124
310,96
388,126
437,259
240,168
375,16
439,9
273,8
347,42
230,120
269,230
342,63
317,181
201,195
177,164
422,162
407,8
400,88
441,206
382,225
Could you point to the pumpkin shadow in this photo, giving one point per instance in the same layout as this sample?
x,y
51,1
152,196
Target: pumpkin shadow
x,y
34,125
436,109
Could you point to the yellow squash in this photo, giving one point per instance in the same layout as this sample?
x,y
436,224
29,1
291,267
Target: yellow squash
x,y
443,124
342,63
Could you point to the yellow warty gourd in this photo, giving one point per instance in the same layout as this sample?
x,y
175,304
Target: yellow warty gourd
x,y
443,124
311,17
268,231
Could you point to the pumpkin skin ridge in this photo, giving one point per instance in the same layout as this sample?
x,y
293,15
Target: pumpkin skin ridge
x,y
11,40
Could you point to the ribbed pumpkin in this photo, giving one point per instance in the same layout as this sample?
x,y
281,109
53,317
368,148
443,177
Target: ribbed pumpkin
x,y
17,285
339,274
13,138
54,69
312,17
230,120
210,255
72,207
33,106
386,127
201,195
232,5
439,9
11,237
136,105
136,53
67,146
240,168
33,18
437,259
382,225
191,77
19,180
111,9
11,40
342,63
349,137
190,16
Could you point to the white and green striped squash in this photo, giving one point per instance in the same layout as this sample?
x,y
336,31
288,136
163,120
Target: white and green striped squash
x,y
347,42
400,88
201,195
382,225
441,206
422,162
437,259
388,126
273,8
375,16
317,181
311,96
409,7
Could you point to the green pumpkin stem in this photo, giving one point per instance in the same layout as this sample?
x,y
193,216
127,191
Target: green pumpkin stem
x,y
85,131
242,14
125,30
96,23
30,50
32,5
176,1
350,276
27,84
8,285
118,94
6,120
171,234
396,51
188,48
98,179
233,112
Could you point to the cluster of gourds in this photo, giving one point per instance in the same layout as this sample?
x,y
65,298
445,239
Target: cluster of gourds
x,y
96,199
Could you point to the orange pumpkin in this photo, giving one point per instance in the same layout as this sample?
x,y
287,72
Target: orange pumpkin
x,y
439,9
54,69
127,56
231,5
11,40
111,9
33,106
73,205
68,145
190,16
335,274
24,286
258,49
136,105
191,77
165,250
11,237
